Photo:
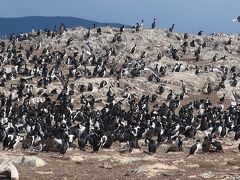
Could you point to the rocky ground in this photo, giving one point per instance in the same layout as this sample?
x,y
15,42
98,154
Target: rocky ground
x,y
152,42
110,164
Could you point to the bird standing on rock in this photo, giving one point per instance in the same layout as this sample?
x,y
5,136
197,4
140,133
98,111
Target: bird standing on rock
x,y
172,28
154,23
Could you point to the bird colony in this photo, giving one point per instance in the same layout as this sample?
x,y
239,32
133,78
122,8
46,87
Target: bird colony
x,y
89,88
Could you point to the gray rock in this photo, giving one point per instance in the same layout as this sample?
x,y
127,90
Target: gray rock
x,y
235,167
9,168
28,160
77,158
207,175
192,165
33,161
106,166
155,169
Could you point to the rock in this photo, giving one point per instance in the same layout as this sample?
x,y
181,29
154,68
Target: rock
x,y
7,169
207,175
28,160
235,167
235,151
192,177
106,166
33,161
77,158
155,169
221,176
179,161
136,151
193,166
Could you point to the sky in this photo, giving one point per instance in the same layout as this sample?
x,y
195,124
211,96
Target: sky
x,y
187,15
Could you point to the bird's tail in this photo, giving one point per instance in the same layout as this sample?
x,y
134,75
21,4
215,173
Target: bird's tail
x,y
188,155
234,20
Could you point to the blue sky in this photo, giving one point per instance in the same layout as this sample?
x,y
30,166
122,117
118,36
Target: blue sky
x,y
188,15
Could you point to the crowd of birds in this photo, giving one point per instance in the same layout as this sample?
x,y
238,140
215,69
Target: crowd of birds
x,y
31,115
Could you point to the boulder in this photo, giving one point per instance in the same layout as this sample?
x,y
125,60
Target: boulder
x,y
33,161
8,170
155,169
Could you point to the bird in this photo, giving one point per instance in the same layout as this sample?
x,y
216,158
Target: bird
x,y
237,19
142,25
185,36
160,90
206,145
215,57
170,95
217,145
179,143
194,148
133,49
209,88
99,30
14,142
221,100
223,58
152,146
122,28
102,84
65,145
200,32
69,41
154,23
229,42
172,28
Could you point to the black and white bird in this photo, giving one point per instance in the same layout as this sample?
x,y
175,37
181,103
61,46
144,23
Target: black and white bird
x,y
179,143
221,100
217,146
133,49
172,28
194,148
152,146
154,23
65,145
11,141
237,19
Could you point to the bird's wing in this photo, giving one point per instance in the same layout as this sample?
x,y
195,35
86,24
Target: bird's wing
x,y
28,77
152,70
60,78
216,69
